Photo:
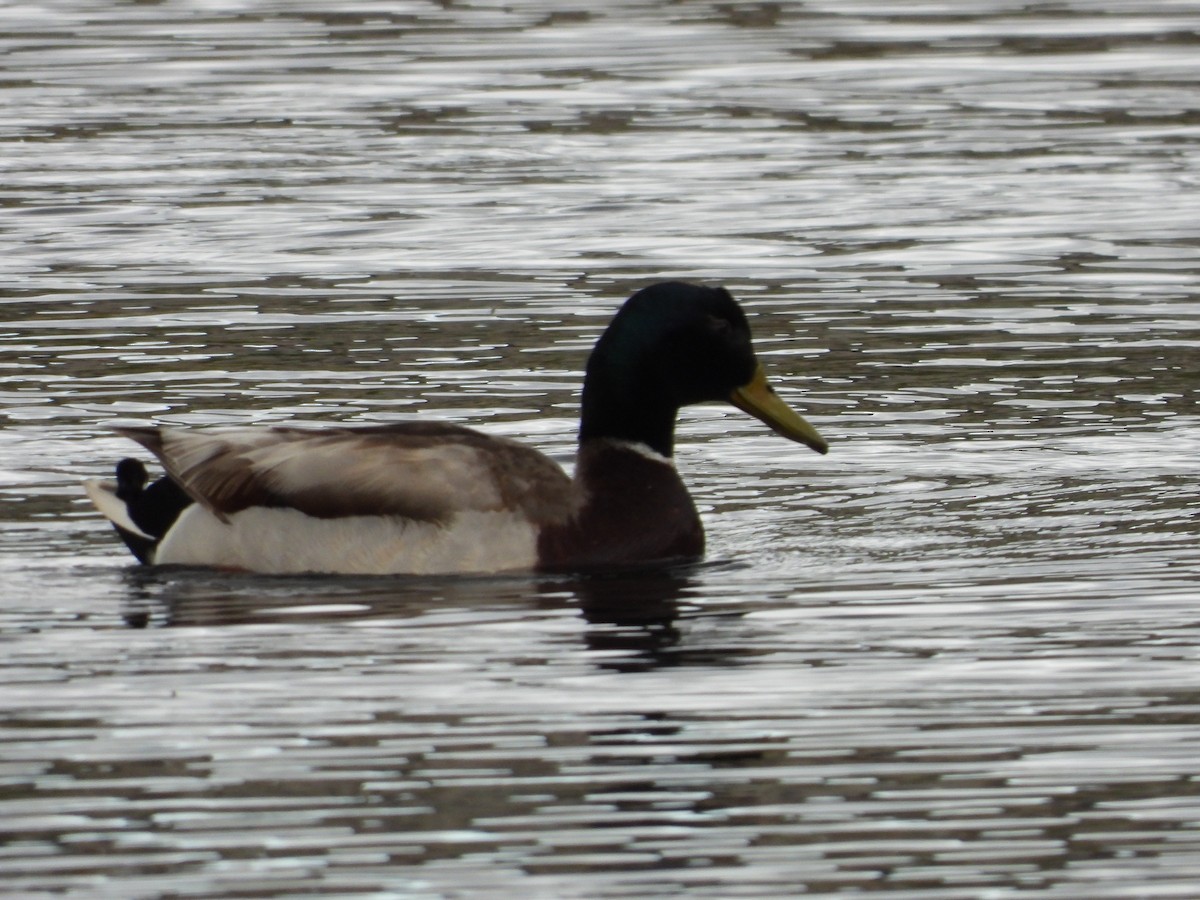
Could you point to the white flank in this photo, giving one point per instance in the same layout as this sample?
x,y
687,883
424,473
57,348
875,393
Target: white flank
x,y
112,507
280,541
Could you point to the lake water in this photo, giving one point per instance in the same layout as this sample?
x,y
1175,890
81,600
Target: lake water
x,y
957,658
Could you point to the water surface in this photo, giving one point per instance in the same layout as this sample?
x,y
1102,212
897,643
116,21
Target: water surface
x,y
956,658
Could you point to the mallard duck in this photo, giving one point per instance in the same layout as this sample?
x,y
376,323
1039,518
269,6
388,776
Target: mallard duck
x,y
428,497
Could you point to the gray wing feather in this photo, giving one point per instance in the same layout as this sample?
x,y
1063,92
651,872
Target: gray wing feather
x,y
424,471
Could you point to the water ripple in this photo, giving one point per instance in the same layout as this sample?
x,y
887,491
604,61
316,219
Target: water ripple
x,y
955,658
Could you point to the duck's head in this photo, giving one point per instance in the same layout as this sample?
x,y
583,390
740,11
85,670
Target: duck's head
x,y
671,345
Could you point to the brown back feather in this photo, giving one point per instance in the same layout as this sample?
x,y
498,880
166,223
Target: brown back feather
x,y
424,471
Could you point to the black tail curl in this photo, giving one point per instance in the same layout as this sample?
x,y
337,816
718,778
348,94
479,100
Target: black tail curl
x,y
153,509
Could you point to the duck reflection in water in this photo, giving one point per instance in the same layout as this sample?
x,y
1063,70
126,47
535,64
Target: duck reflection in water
x,y
632,616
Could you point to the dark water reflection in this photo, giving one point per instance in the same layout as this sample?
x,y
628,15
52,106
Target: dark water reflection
x,y
956,658
182,597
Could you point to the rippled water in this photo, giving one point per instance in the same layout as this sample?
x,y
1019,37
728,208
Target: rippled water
x,y
956,658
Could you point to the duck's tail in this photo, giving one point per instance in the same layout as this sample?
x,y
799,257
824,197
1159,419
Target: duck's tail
x,y
141,515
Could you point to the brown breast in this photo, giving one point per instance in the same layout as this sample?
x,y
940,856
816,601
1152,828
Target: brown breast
x,y
633,508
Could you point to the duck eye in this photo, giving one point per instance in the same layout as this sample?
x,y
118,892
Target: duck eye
x,y
719,326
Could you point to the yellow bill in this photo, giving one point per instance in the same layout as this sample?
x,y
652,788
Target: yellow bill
x,y
759,400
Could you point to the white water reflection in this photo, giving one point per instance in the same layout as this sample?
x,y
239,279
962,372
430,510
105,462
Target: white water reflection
x,y
954,658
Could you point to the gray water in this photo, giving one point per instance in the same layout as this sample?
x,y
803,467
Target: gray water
x,y
957,658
